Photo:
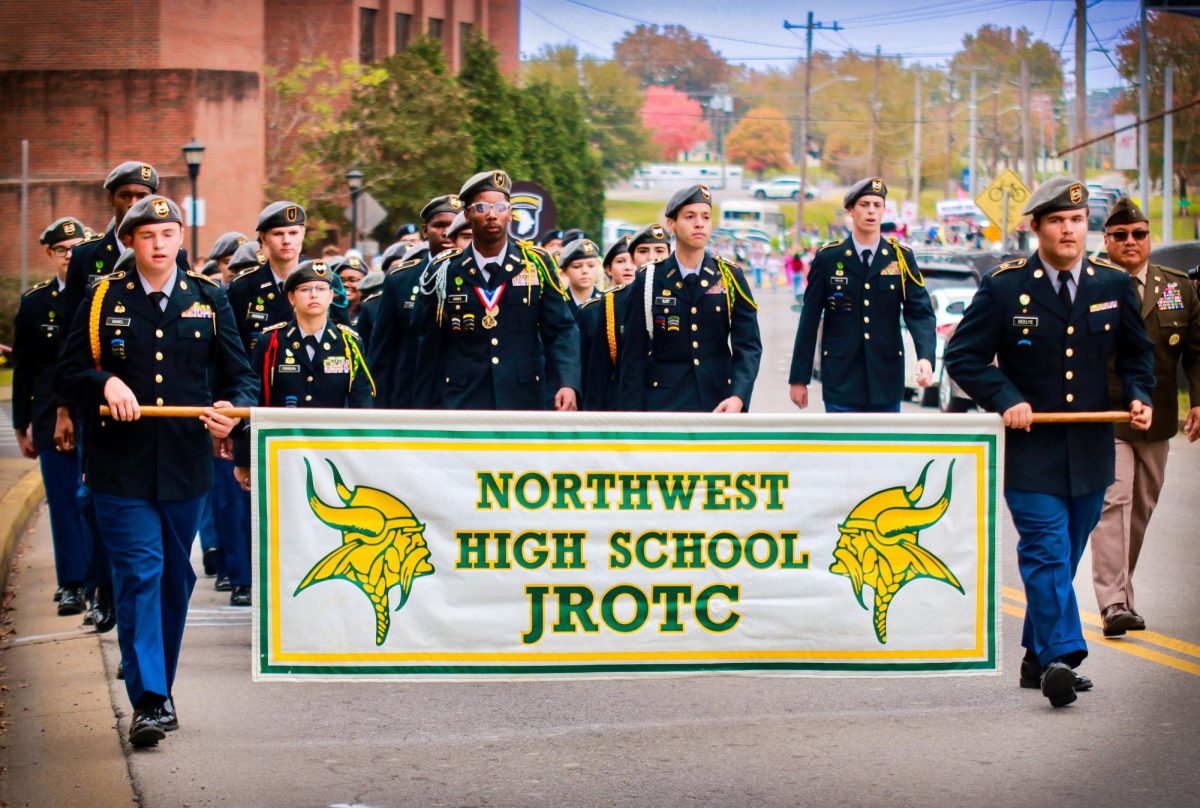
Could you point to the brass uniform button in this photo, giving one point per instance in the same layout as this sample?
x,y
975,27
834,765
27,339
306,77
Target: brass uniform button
x,y
866,319
158,378
158,401
693,309
495,341
310,378
866,286
1070,398
695,361
158,333
1070,375
695,327
308,398
1070,351
866,336
495,360
866,302
695,344
158,355
1070,330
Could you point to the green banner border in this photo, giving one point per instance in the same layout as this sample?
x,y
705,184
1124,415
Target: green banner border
x,y
483,670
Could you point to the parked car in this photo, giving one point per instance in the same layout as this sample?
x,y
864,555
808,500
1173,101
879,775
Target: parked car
x,y
950,300
780,188
950,397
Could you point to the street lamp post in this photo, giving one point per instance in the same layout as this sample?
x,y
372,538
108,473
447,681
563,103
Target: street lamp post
x,y
193,154
354,180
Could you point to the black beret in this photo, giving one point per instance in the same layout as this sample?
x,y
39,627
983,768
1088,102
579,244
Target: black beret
x,y
63,229
549,236
373,280
459,224
450,203
486,181
308,271
1124,211
620,248
871,186
210,267
574,234
391,255
408,229
577,250
650,234
695,194
348,262
280,214
1059,193
248,255
132,173
416,250
149,210
227,245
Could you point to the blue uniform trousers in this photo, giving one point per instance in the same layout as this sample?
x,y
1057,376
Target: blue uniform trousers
x,y
237,552
230,517
72,545
149,547
98,573
1053,531
831,407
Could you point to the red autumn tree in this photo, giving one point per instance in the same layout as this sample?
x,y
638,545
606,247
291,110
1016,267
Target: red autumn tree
x,y
676,120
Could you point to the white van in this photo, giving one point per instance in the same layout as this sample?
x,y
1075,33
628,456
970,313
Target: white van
x,y
742,217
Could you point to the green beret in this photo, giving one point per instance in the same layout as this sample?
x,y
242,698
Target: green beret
x,y
1059,193
450,203
132,173
149,210
650,234
280,214
1124,211
695,194
486,181
227,245
620,248
459,224
64,229
247,256
307,272
871,186
577,250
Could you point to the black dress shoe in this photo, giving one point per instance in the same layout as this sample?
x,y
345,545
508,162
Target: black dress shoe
x,y
58,594
169,720
1058,684
1139,623
1117,619
73,601
240,596
210,561
104,617
121,669
222,584
1034,682
146,727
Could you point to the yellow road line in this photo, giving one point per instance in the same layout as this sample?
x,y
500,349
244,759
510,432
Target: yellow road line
x,y
1126,647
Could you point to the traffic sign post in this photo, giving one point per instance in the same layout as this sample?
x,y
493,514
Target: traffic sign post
x,y
1002,202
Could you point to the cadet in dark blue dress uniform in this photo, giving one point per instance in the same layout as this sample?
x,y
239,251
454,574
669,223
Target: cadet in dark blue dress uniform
x,y
392,349
651,243
372,294
307,361
40,328
1052,323
160,336
691,339
863,287
495,328
579,265
222,252
256,295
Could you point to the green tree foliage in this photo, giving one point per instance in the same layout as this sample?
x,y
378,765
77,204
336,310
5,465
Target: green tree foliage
x,y
493,118
760,141
670,56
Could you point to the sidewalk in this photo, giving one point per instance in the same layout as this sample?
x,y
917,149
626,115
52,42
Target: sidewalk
x,y
60,743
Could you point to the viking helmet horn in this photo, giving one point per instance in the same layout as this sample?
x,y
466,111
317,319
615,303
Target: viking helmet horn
x,y
894,521
356,518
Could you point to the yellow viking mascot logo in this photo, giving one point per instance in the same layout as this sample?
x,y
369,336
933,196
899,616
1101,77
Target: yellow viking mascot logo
x,y
878,546
383,545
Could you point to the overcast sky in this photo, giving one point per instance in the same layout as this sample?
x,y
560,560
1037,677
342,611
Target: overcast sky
x,y
751,31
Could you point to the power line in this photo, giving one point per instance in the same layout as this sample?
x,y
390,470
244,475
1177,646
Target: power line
x,y
641,21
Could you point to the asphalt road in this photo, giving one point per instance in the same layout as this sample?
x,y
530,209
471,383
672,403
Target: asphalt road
x,y
718,740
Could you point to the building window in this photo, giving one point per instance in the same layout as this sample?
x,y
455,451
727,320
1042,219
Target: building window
x,y
464,38
403,31
435,27
366,34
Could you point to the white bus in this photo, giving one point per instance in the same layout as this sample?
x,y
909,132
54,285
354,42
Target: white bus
x,y
742,217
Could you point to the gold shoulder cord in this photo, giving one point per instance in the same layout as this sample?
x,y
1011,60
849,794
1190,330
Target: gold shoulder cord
x,y
547,275
610,325
905,270
354,357
732,290
94,320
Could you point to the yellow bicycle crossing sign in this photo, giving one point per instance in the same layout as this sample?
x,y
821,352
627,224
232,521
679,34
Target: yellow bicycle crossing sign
x,y
991,201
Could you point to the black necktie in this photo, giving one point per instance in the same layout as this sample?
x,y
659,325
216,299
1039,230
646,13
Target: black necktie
x,y
156,300
691,282
1064,291
866,258
311,342
493,271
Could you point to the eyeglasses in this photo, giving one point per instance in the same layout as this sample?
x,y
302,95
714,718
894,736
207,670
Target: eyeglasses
x,y
482,208
312,289
61,252
1123,235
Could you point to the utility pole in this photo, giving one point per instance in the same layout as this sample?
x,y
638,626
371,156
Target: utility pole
x,y
916,189
1080,158
1168,175
872,161
950,140
1143,114
1026,123
809,27
971,139
995,165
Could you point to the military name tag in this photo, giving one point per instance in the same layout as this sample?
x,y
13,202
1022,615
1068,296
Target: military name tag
x,y
408,304
288,368
1105,306
457,298
1025,322
50,328
839,280
665,301
336,364
117,321
259,316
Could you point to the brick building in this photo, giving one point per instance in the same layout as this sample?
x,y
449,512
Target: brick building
x,y
91,84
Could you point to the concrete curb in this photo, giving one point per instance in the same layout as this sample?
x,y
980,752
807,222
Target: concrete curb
x,y
16,507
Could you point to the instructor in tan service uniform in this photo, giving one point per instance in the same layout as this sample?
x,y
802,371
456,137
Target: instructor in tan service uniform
x,y
1171,312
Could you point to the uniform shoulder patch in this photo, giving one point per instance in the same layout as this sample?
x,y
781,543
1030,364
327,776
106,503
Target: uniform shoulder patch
x,y
372,296
1101,262
273,327
93,237
409,264
345,329
1016,263
590,301
114,276
245,273
202,277
1172,271
832,244
445,255
37,286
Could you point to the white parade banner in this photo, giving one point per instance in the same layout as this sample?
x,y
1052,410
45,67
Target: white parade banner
x,y
460,546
